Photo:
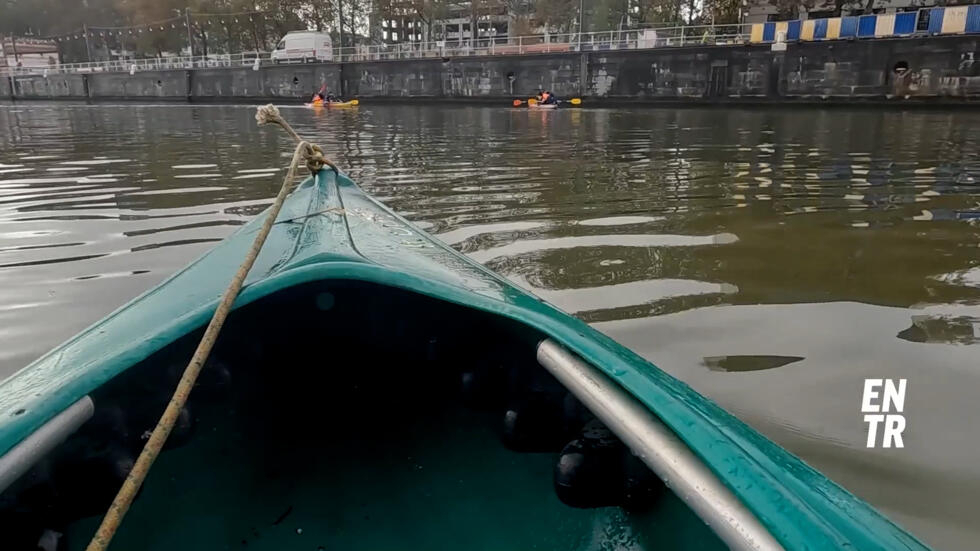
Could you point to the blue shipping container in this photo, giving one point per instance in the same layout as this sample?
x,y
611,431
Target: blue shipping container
x,y
935,20
848,26
905,22
769,32
793,30
820,29
866,25
973,19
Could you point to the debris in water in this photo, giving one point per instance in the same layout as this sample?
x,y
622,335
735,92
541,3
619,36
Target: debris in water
x,y
299,530
283,516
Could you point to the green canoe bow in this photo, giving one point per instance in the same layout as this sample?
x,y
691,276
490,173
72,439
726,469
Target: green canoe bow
x,y
330,229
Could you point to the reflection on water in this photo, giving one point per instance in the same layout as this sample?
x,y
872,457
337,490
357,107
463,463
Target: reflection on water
x,y
943,329
772,259
748,362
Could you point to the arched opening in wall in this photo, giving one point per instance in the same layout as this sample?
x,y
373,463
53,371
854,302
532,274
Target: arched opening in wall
x,y
900,68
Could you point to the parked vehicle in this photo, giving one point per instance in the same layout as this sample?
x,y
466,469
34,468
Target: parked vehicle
x,y
303,46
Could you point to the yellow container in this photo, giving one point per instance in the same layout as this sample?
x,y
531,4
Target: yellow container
x,y
806,33
954,20
833,27
885,25
784,27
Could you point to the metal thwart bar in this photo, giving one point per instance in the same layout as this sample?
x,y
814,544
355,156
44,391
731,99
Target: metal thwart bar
x,y
659,448
19,459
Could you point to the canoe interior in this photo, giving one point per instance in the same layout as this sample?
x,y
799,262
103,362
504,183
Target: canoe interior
x,y
345,415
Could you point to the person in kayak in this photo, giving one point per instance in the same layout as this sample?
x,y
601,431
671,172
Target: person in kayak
x,y
322,96
547,98
319,97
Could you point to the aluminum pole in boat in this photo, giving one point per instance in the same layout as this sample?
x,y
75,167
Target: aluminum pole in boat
x,y
20,458
659,448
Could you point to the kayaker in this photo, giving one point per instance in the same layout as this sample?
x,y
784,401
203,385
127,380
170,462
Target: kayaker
x,y
326,98
321,95
548,98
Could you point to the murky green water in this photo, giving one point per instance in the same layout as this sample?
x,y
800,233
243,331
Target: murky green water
x,y
773,259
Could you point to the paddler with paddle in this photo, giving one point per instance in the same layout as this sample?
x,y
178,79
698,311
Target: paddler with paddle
x,y
322,96
545,97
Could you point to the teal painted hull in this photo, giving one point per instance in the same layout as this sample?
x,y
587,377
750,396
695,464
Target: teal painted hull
x,y
329,229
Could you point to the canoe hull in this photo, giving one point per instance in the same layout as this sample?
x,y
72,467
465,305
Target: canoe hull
x,y
330,230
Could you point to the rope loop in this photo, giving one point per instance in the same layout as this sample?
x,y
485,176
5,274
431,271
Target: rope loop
x,y
315,159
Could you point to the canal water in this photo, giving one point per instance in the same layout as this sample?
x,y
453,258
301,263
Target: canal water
x,y
771,258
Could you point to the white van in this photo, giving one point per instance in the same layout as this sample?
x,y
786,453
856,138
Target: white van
x,y
303,46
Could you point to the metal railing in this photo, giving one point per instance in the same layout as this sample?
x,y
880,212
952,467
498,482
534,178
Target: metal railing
x,y
462,47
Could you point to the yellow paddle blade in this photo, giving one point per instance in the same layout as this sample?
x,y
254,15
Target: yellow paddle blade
x,y
358,102
575,101
532,101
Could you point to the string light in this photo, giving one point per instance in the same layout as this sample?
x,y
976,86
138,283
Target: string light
x,y
204,20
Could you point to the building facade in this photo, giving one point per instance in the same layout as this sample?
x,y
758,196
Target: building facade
x,y
451,23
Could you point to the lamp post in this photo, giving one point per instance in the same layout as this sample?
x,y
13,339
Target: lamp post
x,y
581,16
88,49
187,23
493,38
190,40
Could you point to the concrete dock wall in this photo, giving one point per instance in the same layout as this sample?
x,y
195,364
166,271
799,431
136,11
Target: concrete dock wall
x,y
51,87
933,69
163,85
273,82
474,77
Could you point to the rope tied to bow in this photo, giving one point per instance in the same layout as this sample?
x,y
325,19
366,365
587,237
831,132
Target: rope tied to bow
x,y
315,161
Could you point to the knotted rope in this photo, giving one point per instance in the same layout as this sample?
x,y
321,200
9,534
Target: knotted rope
x,y
315,161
